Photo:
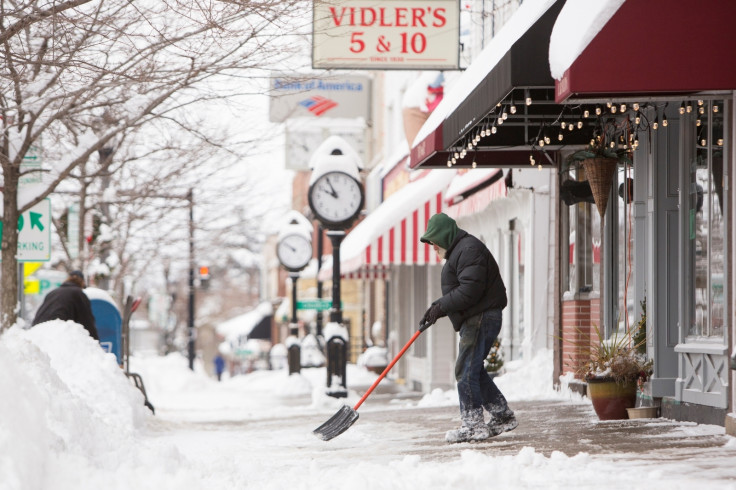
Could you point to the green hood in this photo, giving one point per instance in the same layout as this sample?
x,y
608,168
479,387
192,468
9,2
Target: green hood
x,y
441,229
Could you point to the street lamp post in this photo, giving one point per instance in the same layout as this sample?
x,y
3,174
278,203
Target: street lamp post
x,y
190,326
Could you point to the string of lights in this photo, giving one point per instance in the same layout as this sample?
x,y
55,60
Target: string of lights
x,y
615,126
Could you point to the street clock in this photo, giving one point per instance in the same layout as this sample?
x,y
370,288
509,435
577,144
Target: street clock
x,y
336,198
294,251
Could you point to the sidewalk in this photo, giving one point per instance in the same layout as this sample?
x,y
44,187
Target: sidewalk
x,y
549,426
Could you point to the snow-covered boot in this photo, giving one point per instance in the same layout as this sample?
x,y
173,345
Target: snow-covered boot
x,y
472,429
503,422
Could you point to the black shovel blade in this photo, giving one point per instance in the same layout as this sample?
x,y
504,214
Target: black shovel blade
x,y
337,424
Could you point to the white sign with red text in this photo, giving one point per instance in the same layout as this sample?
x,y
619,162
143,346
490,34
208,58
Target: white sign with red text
x,y
386,34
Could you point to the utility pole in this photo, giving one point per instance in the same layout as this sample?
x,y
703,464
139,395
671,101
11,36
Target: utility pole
x,y
190,329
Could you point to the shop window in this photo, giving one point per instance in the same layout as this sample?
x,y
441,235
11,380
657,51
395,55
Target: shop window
x,y
706,223
626,306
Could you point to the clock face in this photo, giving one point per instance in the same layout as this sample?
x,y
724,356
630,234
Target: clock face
x,y
300,145
336,198
294,251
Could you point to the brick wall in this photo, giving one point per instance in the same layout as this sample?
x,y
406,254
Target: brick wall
x,y
578,317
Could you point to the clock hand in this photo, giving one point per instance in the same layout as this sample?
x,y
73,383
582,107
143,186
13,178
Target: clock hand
x,y
332,189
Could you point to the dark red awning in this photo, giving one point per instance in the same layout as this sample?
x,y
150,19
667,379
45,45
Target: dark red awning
x,y
656,48
516,59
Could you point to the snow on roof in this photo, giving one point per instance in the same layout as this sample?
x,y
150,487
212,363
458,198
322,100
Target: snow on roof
x,y
528,13
243,324
578,23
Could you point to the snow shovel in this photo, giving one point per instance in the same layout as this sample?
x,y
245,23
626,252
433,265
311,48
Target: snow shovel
x,y
346,416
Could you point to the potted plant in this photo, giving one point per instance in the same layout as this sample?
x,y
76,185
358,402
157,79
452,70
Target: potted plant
x,y
613,369
645,407
494,361
600,159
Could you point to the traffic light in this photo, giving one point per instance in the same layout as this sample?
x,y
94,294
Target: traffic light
x,y
204,276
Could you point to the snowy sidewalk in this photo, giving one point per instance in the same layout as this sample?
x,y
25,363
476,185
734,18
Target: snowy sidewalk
x,y
549,426
558,444
76,423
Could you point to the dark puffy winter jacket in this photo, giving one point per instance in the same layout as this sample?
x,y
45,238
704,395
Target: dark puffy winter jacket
x,y
67,302
471,281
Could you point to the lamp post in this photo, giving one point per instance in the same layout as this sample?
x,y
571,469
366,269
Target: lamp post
x,y
191,334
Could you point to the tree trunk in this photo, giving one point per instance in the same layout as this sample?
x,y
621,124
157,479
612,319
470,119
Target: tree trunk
x,y
9,282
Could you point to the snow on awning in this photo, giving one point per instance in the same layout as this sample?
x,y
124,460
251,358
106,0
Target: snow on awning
x,y
242,325
390,234
515,57
578,23
587,34
472,191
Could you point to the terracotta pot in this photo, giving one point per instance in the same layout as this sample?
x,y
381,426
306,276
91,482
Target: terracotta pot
x,y
611,399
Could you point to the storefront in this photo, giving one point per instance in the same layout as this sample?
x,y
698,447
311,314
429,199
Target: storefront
x,y
664,248
655,246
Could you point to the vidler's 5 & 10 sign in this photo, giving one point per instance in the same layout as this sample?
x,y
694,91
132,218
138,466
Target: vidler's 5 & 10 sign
x,y
396,34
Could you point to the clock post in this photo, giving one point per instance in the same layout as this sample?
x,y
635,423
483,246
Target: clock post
x,y
294,251
294,359
336,237
336,198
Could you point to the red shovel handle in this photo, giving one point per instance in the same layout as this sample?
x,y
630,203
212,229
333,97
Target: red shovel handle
x,y
388,368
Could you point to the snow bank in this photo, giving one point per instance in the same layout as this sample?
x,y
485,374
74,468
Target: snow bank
x,y
70,406
521,380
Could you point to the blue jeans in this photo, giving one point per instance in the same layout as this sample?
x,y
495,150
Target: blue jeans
x,y
475,387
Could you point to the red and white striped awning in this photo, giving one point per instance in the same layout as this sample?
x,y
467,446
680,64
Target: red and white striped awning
x,y
390,234
368,272
472,191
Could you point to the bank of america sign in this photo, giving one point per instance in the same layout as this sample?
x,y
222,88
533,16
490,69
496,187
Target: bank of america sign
x,y
294,95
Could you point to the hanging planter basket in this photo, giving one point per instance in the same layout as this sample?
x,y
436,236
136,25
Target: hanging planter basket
x,y
600,173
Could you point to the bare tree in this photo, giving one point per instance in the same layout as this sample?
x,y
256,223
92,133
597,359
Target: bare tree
x,y
84,74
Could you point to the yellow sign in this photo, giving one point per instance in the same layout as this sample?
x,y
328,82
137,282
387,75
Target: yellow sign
x,y
30,267
32,286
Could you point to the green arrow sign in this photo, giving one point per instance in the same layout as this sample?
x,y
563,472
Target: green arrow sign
x,y
34,237
314,304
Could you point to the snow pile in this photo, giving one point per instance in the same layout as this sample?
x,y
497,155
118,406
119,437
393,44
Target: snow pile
x,y
521,381
71,406
311,353
533,380
374,357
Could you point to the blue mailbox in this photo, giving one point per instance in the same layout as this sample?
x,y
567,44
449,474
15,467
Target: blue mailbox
x,y
108,320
